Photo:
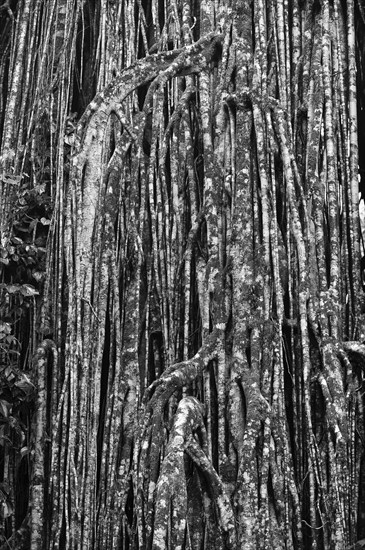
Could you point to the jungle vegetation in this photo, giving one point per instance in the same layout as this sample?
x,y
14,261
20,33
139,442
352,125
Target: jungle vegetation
x,y
182,335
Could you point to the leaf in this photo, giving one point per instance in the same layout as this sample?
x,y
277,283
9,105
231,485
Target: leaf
x,y
16,240
38,275
7,510
25,384
33,223
40,189
5,327
24,451
11,289
70,139
5,408
12,180
44,221
11,339
10,375
28,290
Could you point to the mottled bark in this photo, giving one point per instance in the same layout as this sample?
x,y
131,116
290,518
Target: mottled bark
x,y
182,263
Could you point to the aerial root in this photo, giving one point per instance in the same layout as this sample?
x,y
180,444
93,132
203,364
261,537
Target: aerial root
x,y
187,435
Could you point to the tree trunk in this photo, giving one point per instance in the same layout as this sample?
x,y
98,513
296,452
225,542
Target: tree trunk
x,y
181,298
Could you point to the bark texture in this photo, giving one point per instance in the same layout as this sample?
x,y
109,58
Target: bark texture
x,y
182,334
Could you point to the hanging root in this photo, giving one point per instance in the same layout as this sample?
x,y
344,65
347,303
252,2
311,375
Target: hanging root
x,y
182,374
187,435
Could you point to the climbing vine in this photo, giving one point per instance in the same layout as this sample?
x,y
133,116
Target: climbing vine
x,y
182,309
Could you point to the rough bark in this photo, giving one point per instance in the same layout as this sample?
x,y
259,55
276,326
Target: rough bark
x,y
182,344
